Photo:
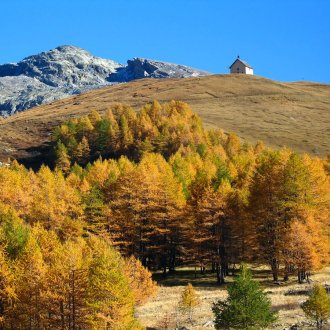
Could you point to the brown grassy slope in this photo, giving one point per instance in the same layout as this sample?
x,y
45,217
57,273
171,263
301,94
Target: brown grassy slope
x,y
286,298
291,114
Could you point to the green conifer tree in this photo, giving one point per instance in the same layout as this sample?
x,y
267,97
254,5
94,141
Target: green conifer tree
x,y
247,306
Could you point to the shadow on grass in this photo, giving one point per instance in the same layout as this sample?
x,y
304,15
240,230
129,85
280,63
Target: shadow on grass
x,y
38,156
181,277
264,277
302,292
286,306
208,280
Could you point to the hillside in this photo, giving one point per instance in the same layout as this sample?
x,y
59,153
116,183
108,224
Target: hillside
x,y
281,114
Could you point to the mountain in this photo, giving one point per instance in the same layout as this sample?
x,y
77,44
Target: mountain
x,y
142,68
281,114
69,70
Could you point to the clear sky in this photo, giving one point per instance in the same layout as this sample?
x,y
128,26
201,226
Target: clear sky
x,y
286,40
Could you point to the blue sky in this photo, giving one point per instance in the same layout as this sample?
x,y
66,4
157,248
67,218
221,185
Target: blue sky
x,y
286,40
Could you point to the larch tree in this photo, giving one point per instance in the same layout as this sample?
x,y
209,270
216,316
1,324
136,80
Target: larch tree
x,y
189,300
14,233
289,191
110,298
317,306
56,204
145,207
63,161
8,294
140,280
233,145
167,200
240,236
67,278
125,133
208,227
265,208
127,218
82,128
30,281
82,152
305,207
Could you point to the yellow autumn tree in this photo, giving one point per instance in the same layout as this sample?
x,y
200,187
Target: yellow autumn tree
x,y
189,300
140,280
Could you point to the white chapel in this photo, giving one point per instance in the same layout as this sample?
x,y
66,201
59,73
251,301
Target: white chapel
x,y
240,66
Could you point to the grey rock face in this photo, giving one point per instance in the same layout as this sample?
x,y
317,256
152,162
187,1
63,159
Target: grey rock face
x,y
139,68
68,70
63,66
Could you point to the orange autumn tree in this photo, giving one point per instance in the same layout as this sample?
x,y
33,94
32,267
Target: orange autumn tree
x,y
265,208
206,243
306,202
77,284
55,204
30,283
290,193
140,281
145,208
160,128
7,288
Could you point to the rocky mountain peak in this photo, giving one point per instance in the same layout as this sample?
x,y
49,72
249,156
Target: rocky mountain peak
x,y
139,68
67,66
67,70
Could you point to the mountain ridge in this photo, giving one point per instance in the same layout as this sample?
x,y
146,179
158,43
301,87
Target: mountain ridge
x,y
69,70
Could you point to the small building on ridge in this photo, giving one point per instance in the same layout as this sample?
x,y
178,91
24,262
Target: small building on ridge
x,y
240,66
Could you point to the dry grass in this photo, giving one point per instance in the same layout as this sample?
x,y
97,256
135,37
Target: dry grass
x,y
296,115
286,299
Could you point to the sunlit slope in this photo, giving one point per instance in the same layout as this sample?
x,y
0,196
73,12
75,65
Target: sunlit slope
x,y
296,115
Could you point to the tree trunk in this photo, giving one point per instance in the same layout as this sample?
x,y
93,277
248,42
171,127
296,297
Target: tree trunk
x,y
214,268
164,256
301,276
274,266
190,316
2,312
233,270
286,273
73,302
224,270
62,316
173,251
220,277
164,264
